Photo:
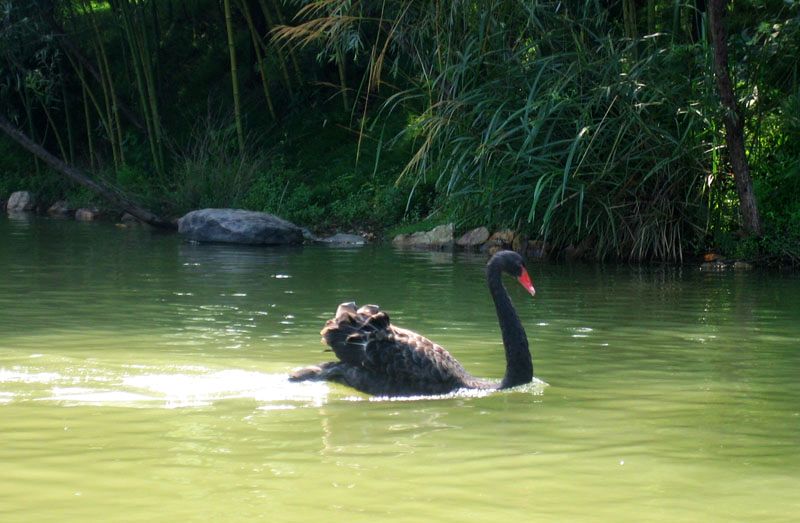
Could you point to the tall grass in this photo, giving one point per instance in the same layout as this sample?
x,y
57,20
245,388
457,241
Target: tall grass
x,y
587,147
212,171
541,116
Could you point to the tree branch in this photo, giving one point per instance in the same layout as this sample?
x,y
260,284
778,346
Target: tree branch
x,y
104,189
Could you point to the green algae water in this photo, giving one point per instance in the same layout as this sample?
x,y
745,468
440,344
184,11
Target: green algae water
x,y
143,378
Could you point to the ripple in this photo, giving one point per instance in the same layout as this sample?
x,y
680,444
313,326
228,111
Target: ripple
x,y
535,387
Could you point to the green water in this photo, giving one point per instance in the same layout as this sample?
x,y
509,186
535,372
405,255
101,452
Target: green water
x,y
143,378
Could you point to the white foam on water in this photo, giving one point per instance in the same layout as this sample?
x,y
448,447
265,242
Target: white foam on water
x,y
198,389
193,387
535,387
20,376
146,386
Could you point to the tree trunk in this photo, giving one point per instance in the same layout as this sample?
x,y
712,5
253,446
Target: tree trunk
x,y
107,191
734,128
259,57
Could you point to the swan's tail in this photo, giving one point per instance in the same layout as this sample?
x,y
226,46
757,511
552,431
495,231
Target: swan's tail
x,y
349,331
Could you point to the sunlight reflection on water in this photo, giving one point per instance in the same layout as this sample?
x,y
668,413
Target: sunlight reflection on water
x,y
181,388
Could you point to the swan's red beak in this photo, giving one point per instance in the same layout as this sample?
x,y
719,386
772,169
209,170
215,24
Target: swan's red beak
x,y
525,280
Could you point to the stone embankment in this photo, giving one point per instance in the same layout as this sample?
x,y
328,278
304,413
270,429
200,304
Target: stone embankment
x,y
480,239
258,228
22,202
203,225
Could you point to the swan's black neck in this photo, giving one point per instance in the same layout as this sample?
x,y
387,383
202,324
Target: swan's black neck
x,y
519,366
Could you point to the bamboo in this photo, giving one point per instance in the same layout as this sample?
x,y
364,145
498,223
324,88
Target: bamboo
x,y
56,133
152,93
629,14
67,114
342,77
82,77
23,94
146,97
89,138
259,57
104,79
234,75
676,20
70,48
292,54
281,58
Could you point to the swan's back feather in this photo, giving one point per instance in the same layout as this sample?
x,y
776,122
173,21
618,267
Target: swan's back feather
x,y
400,359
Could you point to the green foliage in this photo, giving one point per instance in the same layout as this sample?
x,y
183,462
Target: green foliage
x,y
568,119
571,133
588,124
341,202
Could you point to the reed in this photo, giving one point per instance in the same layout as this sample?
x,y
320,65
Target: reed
x,y
544,122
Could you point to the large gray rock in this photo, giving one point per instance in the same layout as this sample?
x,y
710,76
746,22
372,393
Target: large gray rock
x,y
437,238
238,226
20,201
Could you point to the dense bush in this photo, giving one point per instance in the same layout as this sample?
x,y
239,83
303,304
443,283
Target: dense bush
x,y
595,125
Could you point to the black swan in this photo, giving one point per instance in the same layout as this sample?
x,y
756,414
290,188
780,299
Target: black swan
x,y
377,357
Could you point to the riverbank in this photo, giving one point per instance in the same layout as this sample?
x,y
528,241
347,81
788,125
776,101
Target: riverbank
x,y
439,238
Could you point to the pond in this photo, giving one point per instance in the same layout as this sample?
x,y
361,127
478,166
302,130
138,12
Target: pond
x,y
143,378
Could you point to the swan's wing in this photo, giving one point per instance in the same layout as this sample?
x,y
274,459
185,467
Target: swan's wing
x,y
366,338
411,358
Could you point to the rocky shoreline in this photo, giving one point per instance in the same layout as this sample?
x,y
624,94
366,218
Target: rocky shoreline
x,y
258,228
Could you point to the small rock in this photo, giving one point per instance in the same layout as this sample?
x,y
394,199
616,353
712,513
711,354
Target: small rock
x,y
86,215
20,201
717,265
344,239
742,266
129,219
60,209
437,238
308,235
499,241
473,238
505,237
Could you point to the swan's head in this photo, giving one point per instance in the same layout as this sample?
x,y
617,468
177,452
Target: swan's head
x,y
512,263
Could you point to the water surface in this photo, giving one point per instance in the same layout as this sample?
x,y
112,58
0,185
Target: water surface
x,y
143,378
